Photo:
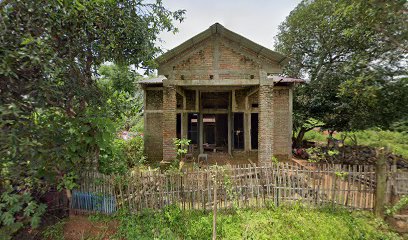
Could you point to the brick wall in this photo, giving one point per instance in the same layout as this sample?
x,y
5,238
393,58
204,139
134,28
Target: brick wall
x,y
265,127
200,62
169,122
282,119
154,100
219,58
153,140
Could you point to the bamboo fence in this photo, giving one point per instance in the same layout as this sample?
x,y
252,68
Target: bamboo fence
x,y
352,186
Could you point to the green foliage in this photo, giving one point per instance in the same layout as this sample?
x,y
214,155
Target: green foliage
x,y
400,126
181,146
400,205
274,160
273,223
68,181
58,115
353,52
316,154
55,232
17,210
122,155
122,93
315,136
396,142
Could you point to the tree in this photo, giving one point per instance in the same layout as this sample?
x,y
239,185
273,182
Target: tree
x,y
124,96
52,111
335,42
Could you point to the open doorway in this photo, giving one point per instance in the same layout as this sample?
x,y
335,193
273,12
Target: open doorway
x,y
239,131
192,128
215,132
254,130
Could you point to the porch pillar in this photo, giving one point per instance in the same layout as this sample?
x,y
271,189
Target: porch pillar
x,y
169,121
265,129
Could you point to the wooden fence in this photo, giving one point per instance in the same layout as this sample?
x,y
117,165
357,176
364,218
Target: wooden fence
x,y
240,186
400,183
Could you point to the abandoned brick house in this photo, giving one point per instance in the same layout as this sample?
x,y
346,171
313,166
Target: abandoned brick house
x,y
221,91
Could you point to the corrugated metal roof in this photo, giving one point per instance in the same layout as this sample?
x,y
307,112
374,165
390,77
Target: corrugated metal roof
x,y
285,79
218,28
157,80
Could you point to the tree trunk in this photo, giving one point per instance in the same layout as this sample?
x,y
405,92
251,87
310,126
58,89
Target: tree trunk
x,y
299,138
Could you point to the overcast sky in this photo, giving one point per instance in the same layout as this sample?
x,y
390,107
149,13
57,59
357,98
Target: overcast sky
x,y
257,20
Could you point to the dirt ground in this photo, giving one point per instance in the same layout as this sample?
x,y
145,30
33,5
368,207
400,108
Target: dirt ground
x,y
80,227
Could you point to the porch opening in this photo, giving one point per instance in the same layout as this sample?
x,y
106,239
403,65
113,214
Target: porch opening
x,y
254,130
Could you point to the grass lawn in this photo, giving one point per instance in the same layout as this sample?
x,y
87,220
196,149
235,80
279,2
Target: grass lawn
x,y
396,141
273,223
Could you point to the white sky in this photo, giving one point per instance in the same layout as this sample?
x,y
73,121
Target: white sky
x,y
257,20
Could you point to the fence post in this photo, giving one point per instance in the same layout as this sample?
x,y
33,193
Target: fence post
x,y
381,179
214,235
392,197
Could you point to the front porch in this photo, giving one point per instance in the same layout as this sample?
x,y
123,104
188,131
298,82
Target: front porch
x,y
221,122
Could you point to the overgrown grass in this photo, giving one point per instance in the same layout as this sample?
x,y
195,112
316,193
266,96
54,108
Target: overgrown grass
x,y
273,223
397,142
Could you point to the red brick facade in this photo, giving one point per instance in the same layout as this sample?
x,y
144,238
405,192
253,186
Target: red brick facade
x,y
218,63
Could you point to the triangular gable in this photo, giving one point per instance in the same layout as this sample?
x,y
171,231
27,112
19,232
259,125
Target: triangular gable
x,y
196,42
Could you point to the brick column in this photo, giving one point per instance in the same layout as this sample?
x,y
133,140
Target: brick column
x,y
169,121
265,121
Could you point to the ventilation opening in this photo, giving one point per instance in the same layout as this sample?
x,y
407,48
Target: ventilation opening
x,y
255,105
211,77
252,76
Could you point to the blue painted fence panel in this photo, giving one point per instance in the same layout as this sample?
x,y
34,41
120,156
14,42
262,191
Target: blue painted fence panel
x,y
86,201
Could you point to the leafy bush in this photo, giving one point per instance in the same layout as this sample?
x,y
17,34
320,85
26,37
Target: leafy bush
x,y
18,210
122,155
401,204
315,136
55,232
400,126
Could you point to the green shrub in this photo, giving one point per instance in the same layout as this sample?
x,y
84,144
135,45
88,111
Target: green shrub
x,y
315,136
122,155
400,126
18,210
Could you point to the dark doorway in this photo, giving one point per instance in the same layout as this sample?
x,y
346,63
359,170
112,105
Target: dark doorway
x,y
209,129
193,128
178,128
239,131
254,130
215,132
